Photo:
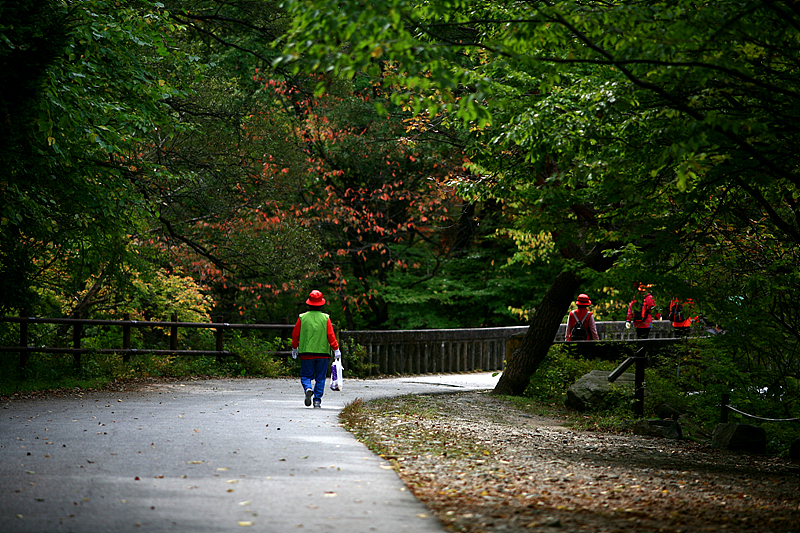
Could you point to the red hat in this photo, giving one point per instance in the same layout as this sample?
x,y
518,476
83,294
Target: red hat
x,y
583,299
315,298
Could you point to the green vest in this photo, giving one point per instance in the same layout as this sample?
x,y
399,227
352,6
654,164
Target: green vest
x,y
314,333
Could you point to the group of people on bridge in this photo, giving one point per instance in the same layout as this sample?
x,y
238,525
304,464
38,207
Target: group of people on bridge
x,y
641,312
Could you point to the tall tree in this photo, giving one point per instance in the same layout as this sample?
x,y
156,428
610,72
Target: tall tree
x,y
622,126
74,135
223,177
131,133
373,191
33,37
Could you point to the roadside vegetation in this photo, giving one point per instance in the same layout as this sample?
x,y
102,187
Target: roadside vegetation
x,y
676,379
253,358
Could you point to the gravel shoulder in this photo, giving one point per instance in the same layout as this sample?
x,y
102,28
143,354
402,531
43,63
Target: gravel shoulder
x,y
481,465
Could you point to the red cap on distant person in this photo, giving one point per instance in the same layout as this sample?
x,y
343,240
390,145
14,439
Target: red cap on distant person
x,y
315,298
583,299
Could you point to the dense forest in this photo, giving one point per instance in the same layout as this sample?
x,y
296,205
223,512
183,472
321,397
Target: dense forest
x,y
154,158
425,164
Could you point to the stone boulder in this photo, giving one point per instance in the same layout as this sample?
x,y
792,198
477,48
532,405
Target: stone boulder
x,y
740,437
664,429
588,392
794,450
665,411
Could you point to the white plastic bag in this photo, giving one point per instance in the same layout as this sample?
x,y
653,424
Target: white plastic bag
x,y
336,375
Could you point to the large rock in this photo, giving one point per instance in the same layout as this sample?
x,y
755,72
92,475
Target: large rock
x,y
794,450
740,437
664,429
588,392
665,411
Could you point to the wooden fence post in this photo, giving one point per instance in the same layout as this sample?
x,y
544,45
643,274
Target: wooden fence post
x,y
77,331
220,341
23,342
638,403
173,333
126,338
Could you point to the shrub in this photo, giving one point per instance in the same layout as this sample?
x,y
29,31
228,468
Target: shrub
x,y
255,355
354,360
562,367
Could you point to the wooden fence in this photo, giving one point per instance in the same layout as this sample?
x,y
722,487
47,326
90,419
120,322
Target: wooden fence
x,y
77,325
386,352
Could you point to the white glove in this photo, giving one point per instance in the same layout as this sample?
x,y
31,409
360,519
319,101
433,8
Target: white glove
x,y
627,325
337,354
294,353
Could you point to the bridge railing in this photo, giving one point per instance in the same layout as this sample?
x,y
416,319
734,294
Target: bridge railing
x,y
432,351
425,351
616,331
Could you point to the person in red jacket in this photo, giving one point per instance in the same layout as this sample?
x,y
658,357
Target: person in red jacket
x,y
583,315
312,340
640,312
680,316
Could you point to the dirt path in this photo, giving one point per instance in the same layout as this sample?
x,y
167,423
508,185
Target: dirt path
x,y
483,466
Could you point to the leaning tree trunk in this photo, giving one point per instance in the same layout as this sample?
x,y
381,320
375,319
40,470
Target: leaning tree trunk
x,y
522,364
542,329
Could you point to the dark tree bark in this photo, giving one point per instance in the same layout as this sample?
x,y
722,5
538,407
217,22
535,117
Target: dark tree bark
x,y
522,364
544,323
466,227
34,38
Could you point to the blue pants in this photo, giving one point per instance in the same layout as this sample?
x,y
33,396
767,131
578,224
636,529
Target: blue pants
x,y
316,370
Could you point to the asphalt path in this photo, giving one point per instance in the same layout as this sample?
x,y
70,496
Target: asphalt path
x,y
205,456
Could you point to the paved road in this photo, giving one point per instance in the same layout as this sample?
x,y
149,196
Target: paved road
x,y
205,456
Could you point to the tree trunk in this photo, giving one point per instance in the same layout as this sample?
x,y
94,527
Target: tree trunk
x,y
466,227
522,364
226,308
348,314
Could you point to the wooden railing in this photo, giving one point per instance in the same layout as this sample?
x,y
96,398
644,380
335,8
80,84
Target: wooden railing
x,y
126,350
386,352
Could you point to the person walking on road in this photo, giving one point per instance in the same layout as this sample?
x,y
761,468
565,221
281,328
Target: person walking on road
x,y
312,340
640,312
588,329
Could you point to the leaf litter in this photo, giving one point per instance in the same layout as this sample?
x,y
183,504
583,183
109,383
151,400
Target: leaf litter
x,y
481,465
